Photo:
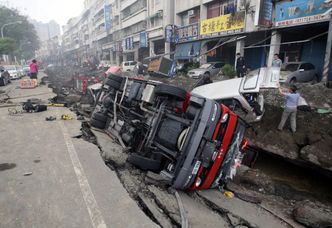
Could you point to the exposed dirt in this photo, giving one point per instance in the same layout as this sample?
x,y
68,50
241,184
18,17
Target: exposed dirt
x,y
255,191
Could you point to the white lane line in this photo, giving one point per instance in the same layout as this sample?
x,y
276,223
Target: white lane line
x,y
90,201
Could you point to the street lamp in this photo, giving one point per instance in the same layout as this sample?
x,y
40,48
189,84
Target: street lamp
x,y
11,23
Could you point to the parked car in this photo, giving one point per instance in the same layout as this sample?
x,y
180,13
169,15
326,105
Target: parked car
x,y
184,67
191,141
13,71
26,70
293,72
209,69
241,95
20,71
128,65
4,76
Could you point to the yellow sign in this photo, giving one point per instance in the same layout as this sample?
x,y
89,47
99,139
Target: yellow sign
x,y
229,23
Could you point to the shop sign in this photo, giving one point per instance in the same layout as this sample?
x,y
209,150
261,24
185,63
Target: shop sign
x,y
143,41
299,12
108,17
263,16
225,24
128,43
187,33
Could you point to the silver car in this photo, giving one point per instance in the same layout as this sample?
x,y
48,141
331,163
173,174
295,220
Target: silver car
x,y
293,72
208,69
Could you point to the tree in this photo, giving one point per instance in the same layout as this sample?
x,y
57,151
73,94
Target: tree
x,y
22,34
7,45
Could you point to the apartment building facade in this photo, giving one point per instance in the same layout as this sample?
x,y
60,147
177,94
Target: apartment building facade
x,y
200,30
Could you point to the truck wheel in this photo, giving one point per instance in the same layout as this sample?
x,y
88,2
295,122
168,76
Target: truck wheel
x,y
114,84
97,124
144,163
116,78
171,91
99,116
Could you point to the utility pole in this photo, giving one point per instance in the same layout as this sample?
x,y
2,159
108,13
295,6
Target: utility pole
x,y
328,52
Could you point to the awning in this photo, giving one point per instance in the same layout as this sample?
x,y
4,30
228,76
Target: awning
x,y
187,50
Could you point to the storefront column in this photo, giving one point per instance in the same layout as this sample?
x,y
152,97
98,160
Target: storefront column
x,y
203,58
151,46
111,56
124,57
275,46
117,59
136,55
239,49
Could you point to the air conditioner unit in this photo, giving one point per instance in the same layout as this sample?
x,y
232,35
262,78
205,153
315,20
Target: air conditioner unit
x,y
191,13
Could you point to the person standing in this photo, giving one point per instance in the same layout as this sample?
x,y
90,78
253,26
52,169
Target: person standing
x,y
276,61
240,65
33,69
292,100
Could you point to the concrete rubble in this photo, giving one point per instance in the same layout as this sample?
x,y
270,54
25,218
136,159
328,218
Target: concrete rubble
x,y
259,201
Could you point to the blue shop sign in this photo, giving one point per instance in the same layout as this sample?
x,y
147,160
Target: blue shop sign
x,y
301,12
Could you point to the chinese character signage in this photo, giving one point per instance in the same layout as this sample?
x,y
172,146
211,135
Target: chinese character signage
x,y
108,17
263,16
225,24
143,41
128,43
187,33
301,12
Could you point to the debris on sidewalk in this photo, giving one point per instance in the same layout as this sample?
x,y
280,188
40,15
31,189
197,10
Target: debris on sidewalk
x,y
50,118
27,173
66,117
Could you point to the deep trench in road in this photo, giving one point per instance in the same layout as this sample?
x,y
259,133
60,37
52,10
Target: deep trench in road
x,y
295,183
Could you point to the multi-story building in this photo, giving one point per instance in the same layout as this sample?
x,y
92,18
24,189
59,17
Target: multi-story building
x,y
296,30
46,31
201,30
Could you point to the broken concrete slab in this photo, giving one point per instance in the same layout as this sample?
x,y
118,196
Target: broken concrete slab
x,y
158,214
110,151
198,214
253,214
313,214
166,201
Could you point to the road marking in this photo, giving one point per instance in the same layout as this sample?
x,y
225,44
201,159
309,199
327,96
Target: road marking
x,y
90,201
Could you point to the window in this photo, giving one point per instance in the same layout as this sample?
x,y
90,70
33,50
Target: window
x,y
184,19
213,10
218,65
307,66
221,8
291,67
195,17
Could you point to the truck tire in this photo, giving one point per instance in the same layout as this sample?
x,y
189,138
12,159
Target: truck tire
x,y
114,84
116,78
171,91
144,163
97,124
99,116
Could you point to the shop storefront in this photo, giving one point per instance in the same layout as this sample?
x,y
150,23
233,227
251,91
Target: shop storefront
x,y
303,26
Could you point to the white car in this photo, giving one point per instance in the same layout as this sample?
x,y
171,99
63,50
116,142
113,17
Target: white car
x,y
242,95
13,71
128,65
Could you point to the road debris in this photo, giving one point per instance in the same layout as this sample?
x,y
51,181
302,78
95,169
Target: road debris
x,y
27,173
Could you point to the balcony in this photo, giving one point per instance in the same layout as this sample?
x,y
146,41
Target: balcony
x,y
126,3
135,18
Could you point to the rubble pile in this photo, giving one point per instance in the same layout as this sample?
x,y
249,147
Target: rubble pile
x,y
310,146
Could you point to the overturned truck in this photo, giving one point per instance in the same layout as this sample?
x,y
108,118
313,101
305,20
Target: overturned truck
x,y
192,142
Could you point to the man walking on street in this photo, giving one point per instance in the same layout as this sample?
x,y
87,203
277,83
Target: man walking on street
x,y
276,61
240,66
33,69
292,99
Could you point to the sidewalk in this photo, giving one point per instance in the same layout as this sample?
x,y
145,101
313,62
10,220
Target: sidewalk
x,y
69,185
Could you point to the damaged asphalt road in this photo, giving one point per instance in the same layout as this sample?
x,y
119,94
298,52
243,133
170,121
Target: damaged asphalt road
x,y
124,196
